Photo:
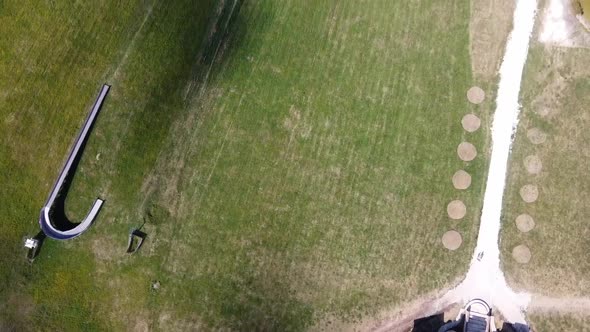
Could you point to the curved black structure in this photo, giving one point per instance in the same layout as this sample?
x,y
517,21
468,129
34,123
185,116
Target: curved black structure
x,y
52,219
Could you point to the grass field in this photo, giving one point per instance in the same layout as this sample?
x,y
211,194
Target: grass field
x,y
55,57
554,97
302,180
562,323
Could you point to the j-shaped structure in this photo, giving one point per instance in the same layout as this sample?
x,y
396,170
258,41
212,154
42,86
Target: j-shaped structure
x,y
53,220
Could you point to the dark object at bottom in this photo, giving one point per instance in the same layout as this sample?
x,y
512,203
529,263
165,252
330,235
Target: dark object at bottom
x,y
476,316
132,245
429,324
433,324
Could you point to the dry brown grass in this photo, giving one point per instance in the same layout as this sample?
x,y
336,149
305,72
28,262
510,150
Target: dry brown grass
x,y
491,21
555,96
574,322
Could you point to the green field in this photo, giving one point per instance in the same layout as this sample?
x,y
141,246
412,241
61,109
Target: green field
x,y
295,175
585,5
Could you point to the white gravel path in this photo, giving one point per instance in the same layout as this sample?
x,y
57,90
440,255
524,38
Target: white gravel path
x,y
484,279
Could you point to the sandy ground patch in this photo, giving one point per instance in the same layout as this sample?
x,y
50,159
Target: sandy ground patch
x,y
521,254
476,95
456,209
529,193
466,151
471,122
536,136
533,164
452,240
461,180
525,223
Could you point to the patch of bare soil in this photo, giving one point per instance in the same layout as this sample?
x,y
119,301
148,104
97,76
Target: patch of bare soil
x,y
476,95
471,122
529,193
525,223
558,74
466,151
521,254
452,240
456,209
489,26
461,180
533,164
536,136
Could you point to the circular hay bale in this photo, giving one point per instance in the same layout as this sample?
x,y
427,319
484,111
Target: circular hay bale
x,y
456,209
475,95
466,151
529,193
525,223
521,254
533,164
536,136
452,240
461,180
471,122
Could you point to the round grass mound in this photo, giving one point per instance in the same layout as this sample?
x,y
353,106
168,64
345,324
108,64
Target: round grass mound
x,y
466,151
461,180
456,209
521,254
475,95
452,240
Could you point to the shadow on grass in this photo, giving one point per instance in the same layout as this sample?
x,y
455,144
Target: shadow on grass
x,y
220,39
171,62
